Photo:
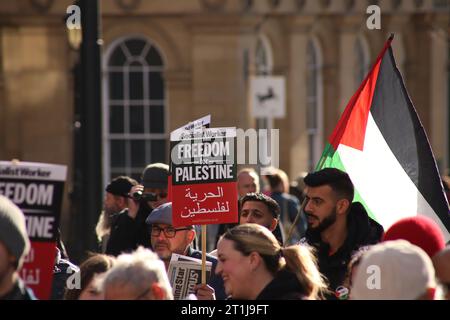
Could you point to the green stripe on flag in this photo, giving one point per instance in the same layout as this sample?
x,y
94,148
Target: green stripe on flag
x,y
330,159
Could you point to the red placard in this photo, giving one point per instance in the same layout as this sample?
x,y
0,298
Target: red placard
x,y
37,270
208,203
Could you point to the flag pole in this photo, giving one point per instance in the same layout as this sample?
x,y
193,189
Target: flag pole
x,y
297,217
203,253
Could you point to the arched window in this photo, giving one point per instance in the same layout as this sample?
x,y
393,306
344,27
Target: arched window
x,y
361,66
134,108
314,108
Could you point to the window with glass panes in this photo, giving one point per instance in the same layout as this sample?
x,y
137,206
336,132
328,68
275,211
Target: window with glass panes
x,y
135,115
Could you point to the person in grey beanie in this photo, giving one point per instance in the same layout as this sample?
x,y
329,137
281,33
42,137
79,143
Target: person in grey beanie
x,y
128,230
14,245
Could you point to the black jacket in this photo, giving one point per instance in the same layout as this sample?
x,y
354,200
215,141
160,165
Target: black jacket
x,y
285,286
128,234
215,281
361,231
62,270
19,292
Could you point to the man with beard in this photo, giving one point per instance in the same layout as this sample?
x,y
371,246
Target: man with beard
x,y
115,201
166,239
336,227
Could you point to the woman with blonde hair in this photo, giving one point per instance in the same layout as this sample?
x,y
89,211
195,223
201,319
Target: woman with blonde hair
x,y
254,266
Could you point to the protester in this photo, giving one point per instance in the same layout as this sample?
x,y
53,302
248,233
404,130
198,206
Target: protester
x,y
247,182
394,270
441,262
297,187
278,183
116,200
139,275
91,272
14,246
420,231
260,209
336,226
254,266
129,229
167,240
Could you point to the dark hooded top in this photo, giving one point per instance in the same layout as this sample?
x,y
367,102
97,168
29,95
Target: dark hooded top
x,y
127,234
361,231
285,286
19,292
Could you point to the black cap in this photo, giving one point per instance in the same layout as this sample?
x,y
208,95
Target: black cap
x,y
121,186
155,176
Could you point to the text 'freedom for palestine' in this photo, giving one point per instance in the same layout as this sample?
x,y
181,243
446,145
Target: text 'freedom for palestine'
x,y
204,173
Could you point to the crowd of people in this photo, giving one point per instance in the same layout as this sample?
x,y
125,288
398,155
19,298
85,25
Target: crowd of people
x,y
297,242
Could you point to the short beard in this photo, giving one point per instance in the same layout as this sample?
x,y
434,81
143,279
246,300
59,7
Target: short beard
x,y
326,223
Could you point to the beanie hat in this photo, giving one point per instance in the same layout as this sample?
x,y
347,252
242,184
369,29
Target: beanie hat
x,y
155,176
13,232
393,270
420,231
121,186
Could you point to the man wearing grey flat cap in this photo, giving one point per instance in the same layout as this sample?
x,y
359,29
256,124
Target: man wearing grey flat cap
x,y
129,230
166,239
14,245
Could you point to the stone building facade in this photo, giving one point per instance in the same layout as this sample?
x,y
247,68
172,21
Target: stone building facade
x,y
168,62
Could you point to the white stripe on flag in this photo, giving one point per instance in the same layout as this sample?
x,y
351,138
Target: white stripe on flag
x,y
381,181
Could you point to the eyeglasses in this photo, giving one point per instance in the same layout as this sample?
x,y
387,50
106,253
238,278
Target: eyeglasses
x,y
169,232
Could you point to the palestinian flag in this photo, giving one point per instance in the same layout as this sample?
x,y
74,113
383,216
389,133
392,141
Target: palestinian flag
x,y
380,142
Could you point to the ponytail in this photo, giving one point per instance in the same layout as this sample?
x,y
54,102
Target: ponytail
x,y
301,261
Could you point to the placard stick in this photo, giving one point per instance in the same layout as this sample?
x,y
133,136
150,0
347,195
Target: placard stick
x,y
203,253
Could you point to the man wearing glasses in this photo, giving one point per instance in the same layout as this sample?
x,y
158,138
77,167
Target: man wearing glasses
x,y
129,230
166,239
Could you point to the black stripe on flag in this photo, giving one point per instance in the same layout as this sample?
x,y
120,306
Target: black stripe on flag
x,y
397,119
